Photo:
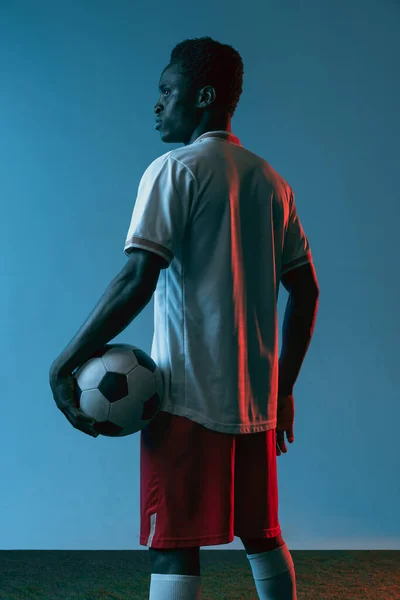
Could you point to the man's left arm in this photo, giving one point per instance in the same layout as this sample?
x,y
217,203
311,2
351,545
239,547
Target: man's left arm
x,y
125,297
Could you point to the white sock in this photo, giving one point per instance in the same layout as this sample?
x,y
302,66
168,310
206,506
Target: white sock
x,y
175,587
273,574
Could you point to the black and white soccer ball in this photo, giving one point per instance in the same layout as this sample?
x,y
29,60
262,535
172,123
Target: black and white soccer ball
x,y
120,387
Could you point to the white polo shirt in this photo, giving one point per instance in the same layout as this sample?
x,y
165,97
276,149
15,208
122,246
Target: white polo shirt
x,y
227,225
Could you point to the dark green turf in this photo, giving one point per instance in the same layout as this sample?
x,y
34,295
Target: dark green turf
x,y
125,575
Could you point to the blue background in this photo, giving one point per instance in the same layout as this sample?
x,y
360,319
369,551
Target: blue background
x,y
321,104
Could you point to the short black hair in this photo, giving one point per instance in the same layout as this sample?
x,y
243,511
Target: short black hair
x,y
204,61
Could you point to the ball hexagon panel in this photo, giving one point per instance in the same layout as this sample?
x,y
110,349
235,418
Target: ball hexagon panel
x,y
90,374
121,359
127,414
145,360
94,404
141,383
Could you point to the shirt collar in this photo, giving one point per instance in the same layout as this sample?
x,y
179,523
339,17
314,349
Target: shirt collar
x,y
223,135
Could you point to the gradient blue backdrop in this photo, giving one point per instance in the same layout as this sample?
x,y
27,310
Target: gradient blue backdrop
x,y
321,104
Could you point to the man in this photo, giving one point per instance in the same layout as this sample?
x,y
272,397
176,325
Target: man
x,y
213,232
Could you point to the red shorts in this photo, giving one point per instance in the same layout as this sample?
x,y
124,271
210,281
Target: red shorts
x,y
199,487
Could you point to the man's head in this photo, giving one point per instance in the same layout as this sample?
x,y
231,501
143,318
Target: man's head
x,y
199,90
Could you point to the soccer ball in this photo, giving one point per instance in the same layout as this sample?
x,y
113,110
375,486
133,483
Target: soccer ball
x,y
120,387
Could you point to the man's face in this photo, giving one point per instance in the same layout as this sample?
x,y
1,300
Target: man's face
x,y
176,107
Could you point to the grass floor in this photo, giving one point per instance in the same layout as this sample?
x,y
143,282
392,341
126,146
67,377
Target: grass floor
x,y
125,575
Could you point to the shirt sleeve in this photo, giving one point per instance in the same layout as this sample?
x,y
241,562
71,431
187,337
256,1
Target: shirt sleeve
x,y
296,249
162,208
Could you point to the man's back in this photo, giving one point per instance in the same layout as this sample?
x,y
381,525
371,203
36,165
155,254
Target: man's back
x,y
234,232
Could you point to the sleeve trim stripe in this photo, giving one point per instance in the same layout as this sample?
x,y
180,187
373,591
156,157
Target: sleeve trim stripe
x,y
138,242
297,262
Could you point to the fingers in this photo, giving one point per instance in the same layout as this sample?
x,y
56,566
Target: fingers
x,y
280,440
87,427
81,422
290,435
85,424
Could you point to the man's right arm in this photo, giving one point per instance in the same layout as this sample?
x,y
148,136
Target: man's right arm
x,y
298,324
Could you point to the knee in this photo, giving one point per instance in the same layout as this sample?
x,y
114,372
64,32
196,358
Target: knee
x,y
257,545
182,561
